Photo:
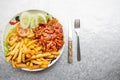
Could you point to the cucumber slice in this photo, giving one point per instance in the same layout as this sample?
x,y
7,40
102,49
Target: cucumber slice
x,y
48,17
42,17
32,20
25,19
36,19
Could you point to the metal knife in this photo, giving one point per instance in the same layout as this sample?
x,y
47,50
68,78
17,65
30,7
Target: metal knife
x,y
70,59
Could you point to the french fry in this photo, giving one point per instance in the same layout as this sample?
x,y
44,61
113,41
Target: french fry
x,y
16,54
25,41
13,41
18,44
50,57
55,56
38,59
36,62
9,58
21,65
38,48
31,47
30,36
23,57
32,52
21,44
45,62
31,42
12,47
14,50
31,64
55,53
28,63
36,51
34,67
42,59
10,53
19,59
13,64
40,55
25,49
28,56
9,36
48,60
43,66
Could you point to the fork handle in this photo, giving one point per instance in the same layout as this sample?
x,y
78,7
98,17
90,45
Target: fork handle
x,y
70,59
78,49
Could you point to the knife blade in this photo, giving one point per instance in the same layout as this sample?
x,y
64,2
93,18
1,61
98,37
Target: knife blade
x,y
70,59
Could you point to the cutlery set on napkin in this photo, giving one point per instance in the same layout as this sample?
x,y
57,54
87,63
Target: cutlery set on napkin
x,y
76,29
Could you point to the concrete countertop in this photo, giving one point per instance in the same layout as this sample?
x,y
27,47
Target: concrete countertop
x,y
99,39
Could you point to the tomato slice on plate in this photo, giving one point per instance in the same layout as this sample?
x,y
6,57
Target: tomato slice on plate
x,y
21,31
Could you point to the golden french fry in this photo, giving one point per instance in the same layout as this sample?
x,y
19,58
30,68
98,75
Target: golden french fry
x,y
50,57
21,65
36,62
32,53
38,48
25,49
10,53
19,59
31,47
43,66
38,59
28,63
25,41
55,53
30,36
14,50
34,67
45,62
16,54
31,64
36,51
40,55
9,58
21,44
13,41
23,57
48,60
18,44
36,56
13,64
9,36
31,42
41,59
28,56
55,56
11,48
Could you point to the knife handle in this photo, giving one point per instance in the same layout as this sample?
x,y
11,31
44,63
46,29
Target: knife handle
x,y
70,59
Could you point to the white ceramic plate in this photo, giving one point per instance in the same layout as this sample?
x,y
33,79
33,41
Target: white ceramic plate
x,y
8,27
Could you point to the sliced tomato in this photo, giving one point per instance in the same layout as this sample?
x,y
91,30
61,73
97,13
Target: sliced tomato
x,y
22,32
12,23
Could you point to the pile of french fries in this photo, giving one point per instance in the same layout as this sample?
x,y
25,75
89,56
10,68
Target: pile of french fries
x,y
27,53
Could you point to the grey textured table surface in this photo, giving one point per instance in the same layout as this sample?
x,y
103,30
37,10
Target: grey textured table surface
x,y
99,38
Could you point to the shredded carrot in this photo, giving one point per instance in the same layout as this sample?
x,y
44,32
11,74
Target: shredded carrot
x,y
49,35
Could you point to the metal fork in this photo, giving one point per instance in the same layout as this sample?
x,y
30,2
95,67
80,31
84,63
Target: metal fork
x,y
77,28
